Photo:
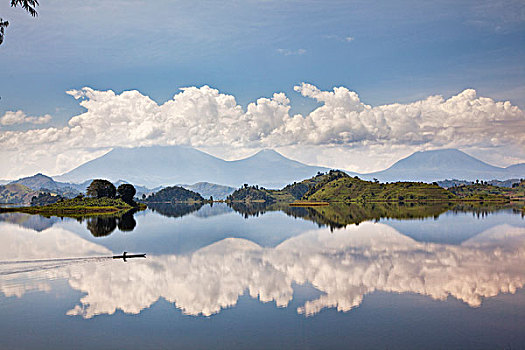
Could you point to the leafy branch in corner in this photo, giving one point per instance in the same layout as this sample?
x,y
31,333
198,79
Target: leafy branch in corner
x,y
3,25
28,5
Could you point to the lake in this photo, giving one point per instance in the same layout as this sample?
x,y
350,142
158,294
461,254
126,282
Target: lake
x,y
377,276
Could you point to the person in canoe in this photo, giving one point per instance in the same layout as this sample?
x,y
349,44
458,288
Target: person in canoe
x,y
125,256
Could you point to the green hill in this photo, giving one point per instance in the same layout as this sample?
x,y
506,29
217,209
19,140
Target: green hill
x,y
38,181
16,194
41,182
252,194
174,194
337,186
290,193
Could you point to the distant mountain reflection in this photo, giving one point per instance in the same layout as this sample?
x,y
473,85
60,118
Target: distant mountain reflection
x,y
35,222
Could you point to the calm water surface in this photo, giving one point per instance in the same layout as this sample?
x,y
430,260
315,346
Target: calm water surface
x,y
255,277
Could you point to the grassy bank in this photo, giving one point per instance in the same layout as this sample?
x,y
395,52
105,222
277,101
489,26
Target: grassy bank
x,y
78,207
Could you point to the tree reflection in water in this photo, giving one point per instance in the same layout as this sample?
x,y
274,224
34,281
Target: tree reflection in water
x,y
339,215
101,226
126,222
175,210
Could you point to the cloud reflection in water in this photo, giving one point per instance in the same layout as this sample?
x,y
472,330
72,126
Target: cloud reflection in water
x,y
19,243
344,265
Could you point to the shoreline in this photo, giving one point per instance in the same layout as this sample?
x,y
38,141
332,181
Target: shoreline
x,y
78,208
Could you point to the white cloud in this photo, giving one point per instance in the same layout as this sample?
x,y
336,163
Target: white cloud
x,y
19,117
203,117
347,38
289,52
462,120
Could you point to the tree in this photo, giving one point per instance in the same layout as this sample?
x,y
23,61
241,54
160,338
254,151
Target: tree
x,y
101,188
127,192
28,5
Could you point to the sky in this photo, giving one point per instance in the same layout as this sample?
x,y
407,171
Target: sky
x,y
354,85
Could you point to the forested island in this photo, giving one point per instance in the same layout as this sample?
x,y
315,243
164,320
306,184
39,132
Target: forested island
x,y
174,194
102,198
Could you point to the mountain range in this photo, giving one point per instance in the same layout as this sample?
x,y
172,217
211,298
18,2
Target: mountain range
x,y
429,166
154,167
168,165
43,182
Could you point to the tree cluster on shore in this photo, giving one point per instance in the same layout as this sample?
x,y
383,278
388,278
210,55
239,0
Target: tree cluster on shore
x,y
174,194
45,198
103,188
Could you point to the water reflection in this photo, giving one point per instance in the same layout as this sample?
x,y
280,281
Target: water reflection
x,y
101,226
126,222
35,222
175,210
19,243
339,215
481,210
334,216
344,265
